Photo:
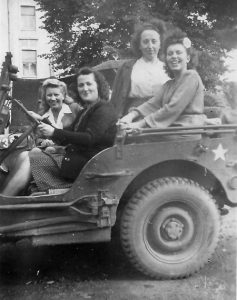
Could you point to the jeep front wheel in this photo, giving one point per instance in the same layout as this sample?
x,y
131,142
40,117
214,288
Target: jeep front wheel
x,y
170,228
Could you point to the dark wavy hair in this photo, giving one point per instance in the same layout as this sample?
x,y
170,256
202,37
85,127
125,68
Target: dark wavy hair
x,y
102,84
177,37
154,24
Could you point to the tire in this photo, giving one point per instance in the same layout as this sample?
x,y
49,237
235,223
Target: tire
x,y
170,228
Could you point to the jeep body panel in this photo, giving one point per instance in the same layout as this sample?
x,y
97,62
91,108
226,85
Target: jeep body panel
x,y
90,205
114,169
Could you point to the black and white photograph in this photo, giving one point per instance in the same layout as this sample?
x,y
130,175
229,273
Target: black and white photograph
x,y
118,149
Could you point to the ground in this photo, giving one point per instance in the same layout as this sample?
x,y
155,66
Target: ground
x,y
99,272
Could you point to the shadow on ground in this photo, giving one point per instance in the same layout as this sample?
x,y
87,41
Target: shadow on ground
x,y
82,262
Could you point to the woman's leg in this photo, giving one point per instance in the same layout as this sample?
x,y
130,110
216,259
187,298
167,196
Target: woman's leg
x,y
19,175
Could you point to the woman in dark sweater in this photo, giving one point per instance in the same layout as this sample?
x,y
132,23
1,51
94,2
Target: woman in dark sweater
x,y
93,130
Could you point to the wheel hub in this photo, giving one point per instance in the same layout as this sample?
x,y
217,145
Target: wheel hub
x,y
173,228
170,229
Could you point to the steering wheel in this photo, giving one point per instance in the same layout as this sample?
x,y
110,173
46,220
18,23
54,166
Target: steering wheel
x,y
27,132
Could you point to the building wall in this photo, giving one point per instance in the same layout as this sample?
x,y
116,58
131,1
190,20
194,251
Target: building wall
x,y
23,43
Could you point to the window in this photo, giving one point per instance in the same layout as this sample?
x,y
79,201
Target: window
x,y
28,20
28,43
29,61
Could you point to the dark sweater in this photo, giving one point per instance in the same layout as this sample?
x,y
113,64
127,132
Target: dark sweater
x,y
95,132
97,124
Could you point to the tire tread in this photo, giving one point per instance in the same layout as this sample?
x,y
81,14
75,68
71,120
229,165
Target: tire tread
x,y
135,202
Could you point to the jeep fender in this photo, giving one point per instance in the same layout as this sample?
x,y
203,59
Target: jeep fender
x,y
121,172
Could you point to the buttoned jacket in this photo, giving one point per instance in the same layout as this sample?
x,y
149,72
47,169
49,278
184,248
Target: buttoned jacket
x,y
93,130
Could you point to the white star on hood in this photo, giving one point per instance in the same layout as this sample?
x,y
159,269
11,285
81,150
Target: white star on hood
x,y
219,152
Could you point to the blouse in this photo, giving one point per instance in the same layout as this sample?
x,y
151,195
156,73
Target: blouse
x,y
178,103
65,113
147,78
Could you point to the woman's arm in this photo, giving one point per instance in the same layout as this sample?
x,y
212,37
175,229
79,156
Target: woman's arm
x,y
153,104
65,136
182,96
145,109
130,117
98,123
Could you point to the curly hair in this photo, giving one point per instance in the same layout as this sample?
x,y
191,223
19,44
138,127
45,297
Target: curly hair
x,y
154,24
52,83
178,37
102,84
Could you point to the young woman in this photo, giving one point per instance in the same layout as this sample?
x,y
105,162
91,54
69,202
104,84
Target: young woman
x,y
58,107
139,79
181,100
59,110
93,130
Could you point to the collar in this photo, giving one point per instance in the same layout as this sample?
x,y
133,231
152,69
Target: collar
x,y
58,123
65,110
156,61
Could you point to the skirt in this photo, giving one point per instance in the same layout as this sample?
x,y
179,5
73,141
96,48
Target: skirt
x,y
46,168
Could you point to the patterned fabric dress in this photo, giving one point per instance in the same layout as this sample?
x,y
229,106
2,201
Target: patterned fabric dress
x,y
45,169
93,130
45,166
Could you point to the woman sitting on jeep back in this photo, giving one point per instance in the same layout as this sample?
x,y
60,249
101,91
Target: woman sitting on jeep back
x,y
93,130
180,102
138,79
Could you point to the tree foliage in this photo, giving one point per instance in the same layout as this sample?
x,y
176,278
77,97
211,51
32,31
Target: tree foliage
x,y
86,32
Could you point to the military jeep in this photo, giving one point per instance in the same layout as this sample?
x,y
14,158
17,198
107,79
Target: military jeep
x,y
165,196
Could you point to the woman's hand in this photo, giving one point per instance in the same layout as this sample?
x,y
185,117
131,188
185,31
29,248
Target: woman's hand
x,y
46,143
46,129
129,117
138,124
134,127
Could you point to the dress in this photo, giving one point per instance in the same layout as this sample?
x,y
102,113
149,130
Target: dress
x,y
93,130
45,168
136,81
177,103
